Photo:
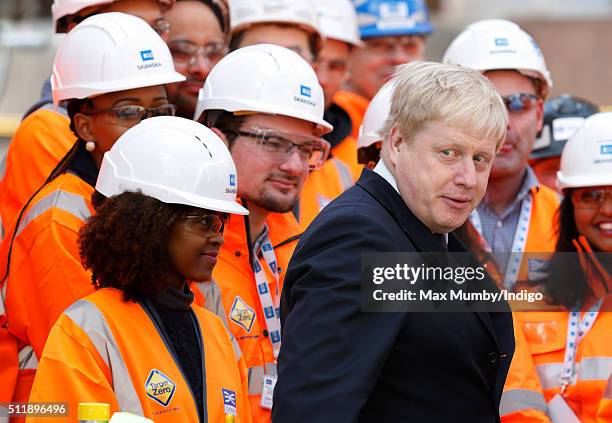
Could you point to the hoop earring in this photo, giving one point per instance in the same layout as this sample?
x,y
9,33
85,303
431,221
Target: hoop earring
x,y
90,146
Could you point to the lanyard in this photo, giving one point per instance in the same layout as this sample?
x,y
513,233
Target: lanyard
x,y
519,242
576,331
269,305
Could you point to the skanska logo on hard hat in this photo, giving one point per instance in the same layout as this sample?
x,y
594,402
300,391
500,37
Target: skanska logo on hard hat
x,y
501,42
232,181
146,55
305,91
606,149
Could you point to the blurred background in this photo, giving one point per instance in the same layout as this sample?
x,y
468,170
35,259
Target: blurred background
x,y
574,35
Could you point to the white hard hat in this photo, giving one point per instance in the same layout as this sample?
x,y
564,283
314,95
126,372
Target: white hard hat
x,y
375,116
338,21
497,44
110,52
175,160
586,160
244,13
264,78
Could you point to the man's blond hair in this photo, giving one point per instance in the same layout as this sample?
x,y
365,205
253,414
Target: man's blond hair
x,y
453,95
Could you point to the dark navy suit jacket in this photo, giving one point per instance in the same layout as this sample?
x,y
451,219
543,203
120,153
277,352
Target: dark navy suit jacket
x,y
339,364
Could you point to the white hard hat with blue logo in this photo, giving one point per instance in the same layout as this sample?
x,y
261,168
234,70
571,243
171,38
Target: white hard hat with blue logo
x,y
381,18
265,78
107,53
175,160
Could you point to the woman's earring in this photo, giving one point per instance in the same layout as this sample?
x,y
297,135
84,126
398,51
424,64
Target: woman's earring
x,y
90,146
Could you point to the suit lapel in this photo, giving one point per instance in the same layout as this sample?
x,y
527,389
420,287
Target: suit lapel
x,y
420,236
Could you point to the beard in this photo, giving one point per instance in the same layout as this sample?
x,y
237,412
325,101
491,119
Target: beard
x,y
272,203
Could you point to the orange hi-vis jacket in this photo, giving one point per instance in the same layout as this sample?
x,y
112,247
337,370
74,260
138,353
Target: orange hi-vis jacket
x,y
235,277
321,187
522,399
45,276
355,105
40,142
545,334
104,349
541,237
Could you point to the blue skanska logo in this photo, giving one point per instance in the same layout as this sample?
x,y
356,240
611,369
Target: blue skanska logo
x,y
305,91
606,149
232,180
501,42
146,55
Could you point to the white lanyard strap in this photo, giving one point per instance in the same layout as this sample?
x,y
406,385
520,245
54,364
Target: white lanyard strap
x,y
576,331
269,305
518,244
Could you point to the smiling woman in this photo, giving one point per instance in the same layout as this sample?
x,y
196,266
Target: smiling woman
x,y
167,180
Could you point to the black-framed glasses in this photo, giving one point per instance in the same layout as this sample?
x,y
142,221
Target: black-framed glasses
x,y
206,225
185,53
590,198
279,145
131,114
520,102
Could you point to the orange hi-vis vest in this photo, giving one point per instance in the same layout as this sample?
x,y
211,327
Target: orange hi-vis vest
x,y
541,237
46,274
522,400
321,187
235,277
355,105
104,349
545,334
40,142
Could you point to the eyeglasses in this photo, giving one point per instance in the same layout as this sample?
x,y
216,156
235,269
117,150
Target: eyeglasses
x,y
206,225
590,198
520,102
185,53
161,26
335,68
410,45
279,145
130,115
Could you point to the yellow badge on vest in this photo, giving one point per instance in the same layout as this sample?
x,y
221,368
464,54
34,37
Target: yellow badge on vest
x,y
242,314
160,387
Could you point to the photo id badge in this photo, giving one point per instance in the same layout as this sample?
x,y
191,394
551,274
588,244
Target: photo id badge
x,y
267,392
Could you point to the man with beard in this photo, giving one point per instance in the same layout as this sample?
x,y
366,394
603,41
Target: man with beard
x,y
197,42
267,104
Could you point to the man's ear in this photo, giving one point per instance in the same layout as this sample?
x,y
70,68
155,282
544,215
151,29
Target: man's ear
x,y
83,124
394,141
220,135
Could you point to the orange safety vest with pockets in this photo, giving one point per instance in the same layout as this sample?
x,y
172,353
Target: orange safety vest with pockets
x,y
40,142
104,349
546,337
234,275
541,237
321,187
355,105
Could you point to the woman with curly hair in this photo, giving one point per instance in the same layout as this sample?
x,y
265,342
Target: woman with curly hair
x,y
108,89
570,350
164,195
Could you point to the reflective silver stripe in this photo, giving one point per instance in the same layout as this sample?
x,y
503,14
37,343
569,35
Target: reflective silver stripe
x,y
212,294
515,400
27,358
256,375
345,174
592,368
67,201
89,318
